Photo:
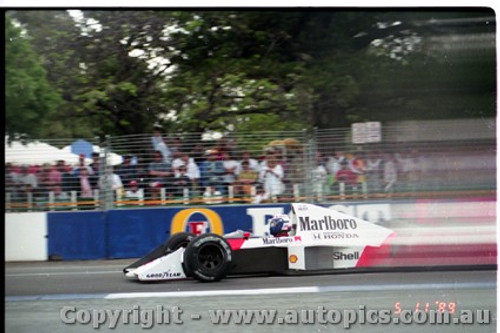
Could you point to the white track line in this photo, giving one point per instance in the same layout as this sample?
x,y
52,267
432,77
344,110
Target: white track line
x,y
62,273
257,292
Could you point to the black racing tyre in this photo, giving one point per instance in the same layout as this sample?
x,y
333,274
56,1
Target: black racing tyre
x,y
208,258
178,240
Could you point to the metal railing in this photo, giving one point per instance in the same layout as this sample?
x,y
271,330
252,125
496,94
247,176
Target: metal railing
x,y
193,169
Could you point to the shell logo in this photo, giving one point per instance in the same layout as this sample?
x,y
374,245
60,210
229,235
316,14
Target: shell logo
x,y
293,258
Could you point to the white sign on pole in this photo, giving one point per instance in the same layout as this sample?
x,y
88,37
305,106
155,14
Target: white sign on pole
x,y
358,133
374,131
368,132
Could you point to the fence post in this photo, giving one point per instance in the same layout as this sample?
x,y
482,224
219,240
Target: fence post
x,y
207,195
74,200
163,195
230,193
364,189
141,195
30,201
319,192
342,191
296,192
51,200
96,199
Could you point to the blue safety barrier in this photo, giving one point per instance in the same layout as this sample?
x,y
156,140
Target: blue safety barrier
x,y
76,235
131,233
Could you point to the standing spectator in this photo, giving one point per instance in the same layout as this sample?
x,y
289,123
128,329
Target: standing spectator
x,y
28,182
110,180
260,194
43,180
180,182
231,167
271,176
126,170
176,160
59,194
357,165
95,167
54,177
374,168
68,181
245,180
334,163
81,164
197,154
253,164
159,173
85,188
174,145
296,170
133,191
320,176
408,167
11,180
347,177
192,170
390,173
212,170
159,145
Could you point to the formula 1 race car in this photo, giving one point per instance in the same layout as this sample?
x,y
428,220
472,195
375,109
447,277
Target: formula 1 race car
x,y
311,238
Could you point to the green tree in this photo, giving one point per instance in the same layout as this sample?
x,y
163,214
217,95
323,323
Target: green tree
x,y
119,72
29,98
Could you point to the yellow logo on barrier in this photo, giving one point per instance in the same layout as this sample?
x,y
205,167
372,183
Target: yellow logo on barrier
x,y
181,221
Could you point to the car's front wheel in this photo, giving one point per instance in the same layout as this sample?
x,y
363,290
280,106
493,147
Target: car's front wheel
x,y
178,240
208,258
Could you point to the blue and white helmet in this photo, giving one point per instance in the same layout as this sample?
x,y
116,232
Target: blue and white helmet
x,y
280,224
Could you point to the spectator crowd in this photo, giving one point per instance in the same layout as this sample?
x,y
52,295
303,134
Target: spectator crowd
x,y
168,170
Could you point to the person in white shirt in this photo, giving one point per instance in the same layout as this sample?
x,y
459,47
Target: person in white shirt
x,y
334,163
271,176
111,179
158,144
320,176
192,169
390,176
133,191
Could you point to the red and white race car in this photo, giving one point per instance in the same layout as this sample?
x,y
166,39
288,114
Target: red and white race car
x,y
311,238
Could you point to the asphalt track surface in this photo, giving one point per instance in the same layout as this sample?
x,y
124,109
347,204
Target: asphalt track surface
x,y
37,295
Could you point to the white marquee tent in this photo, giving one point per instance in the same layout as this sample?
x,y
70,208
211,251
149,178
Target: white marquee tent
x,y
36,153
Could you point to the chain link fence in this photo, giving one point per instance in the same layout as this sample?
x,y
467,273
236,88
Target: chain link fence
x,y
160,169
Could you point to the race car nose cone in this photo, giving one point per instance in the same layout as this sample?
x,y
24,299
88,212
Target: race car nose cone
x,y
131,274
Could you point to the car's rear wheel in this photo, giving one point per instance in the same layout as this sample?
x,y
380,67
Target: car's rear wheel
x,y
208,258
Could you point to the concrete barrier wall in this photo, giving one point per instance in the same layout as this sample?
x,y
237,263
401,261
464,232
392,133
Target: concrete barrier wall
x,y
131,233
25,237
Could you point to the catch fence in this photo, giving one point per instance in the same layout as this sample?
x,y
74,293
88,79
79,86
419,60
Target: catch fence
x,y
318,166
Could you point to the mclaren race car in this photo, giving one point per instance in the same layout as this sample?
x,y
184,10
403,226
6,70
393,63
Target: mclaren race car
x,y
311,238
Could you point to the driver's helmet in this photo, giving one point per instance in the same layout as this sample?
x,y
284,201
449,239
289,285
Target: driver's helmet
x,y
280,225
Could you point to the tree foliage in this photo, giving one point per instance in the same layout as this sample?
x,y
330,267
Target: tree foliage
x,y
120,72
29,98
